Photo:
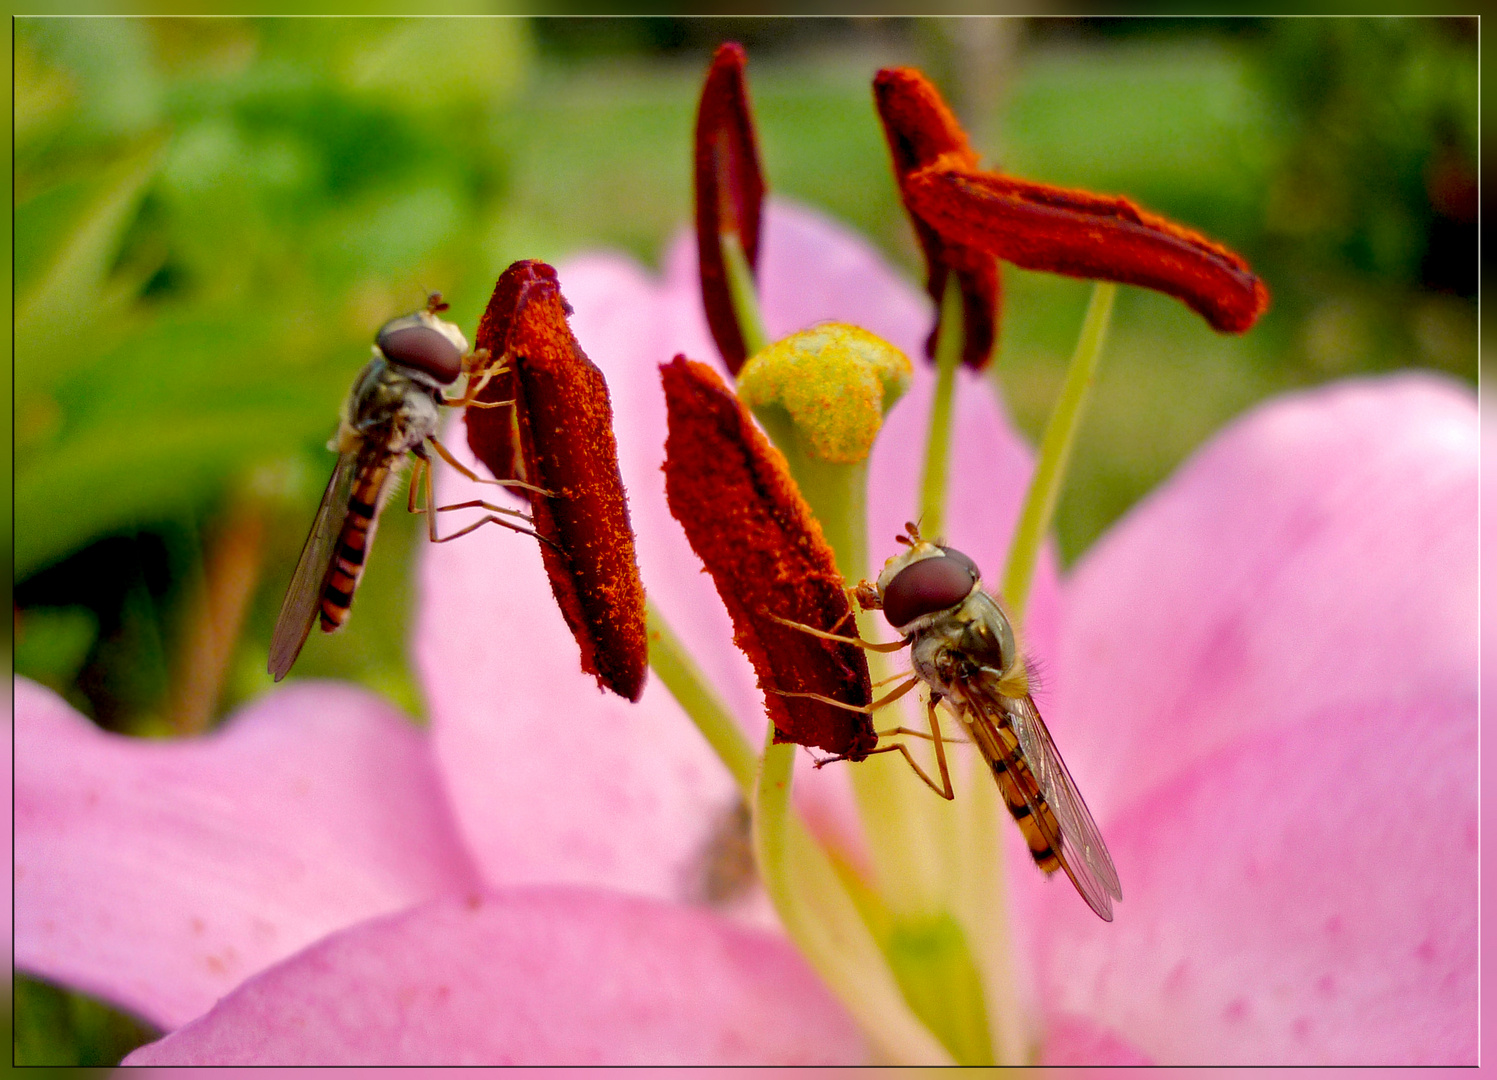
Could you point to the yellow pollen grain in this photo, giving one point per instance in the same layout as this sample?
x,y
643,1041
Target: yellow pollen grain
x,y
835,381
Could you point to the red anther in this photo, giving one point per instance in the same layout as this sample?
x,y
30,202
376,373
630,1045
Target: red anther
x,y
920,128
729,193
747,522
1072,232
559,436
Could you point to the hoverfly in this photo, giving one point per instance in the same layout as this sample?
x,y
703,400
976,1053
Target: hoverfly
x,y
962,647
392,411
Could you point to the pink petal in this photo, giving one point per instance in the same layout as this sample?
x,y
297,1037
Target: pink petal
x,y
1078,1040
159,875
1273,660
5,904
814,269
544,976
1306,896
1321,550
1488,687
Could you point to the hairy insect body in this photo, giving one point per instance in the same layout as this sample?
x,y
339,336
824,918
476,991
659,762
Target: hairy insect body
x,y
391,410
954,647
962,646
370,489
1031,810
956,651
390,414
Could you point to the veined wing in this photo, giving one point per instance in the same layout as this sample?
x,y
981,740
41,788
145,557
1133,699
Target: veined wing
x,y
1052,800
1084,854
304,596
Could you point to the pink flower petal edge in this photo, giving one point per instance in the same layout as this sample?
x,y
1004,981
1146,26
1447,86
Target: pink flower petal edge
x,y
158,875
535,976
1319,550
1274,660
1307,896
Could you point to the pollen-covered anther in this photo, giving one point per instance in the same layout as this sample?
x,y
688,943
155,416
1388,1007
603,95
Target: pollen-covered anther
x,y
920,128
729,193
835,382
558,436
746,520
1065,231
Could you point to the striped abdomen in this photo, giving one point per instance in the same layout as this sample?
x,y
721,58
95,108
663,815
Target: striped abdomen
x,y
1021,792
353,545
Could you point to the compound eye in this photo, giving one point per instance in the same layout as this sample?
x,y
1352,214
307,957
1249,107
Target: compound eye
x,y
965,560
411,343
928,586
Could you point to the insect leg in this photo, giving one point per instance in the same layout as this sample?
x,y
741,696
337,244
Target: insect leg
x,y
471,366
935,735
872,646
416,472
432,511
945,789
892,696
446,456
473,504
922,735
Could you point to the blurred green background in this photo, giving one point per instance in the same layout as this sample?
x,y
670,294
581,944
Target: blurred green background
x,y
212,218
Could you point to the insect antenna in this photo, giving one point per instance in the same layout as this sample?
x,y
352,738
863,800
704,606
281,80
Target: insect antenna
x,y
435,305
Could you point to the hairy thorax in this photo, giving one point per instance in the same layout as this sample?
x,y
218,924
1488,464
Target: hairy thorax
x,y
391,410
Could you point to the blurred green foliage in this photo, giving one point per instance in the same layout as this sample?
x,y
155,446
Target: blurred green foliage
x,y
1378,170
55,1027
212,217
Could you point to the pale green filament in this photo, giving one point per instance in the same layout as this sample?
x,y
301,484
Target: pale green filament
x,y
821,918
810,896
927,948
744,294
676,669
811,899
1055,453
938,438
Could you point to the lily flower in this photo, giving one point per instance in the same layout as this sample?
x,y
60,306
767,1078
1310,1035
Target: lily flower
x,y
931,917
1257,674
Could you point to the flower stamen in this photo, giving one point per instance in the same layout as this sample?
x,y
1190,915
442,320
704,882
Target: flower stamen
x,y
746,520
1065,231
729,198
559,436
920,128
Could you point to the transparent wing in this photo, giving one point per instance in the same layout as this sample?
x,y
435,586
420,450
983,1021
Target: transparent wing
x,y
1082,851
304,596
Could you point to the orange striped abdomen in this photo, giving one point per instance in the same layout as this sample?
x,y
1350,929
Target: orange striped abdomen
x,y
1021,792
352,547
